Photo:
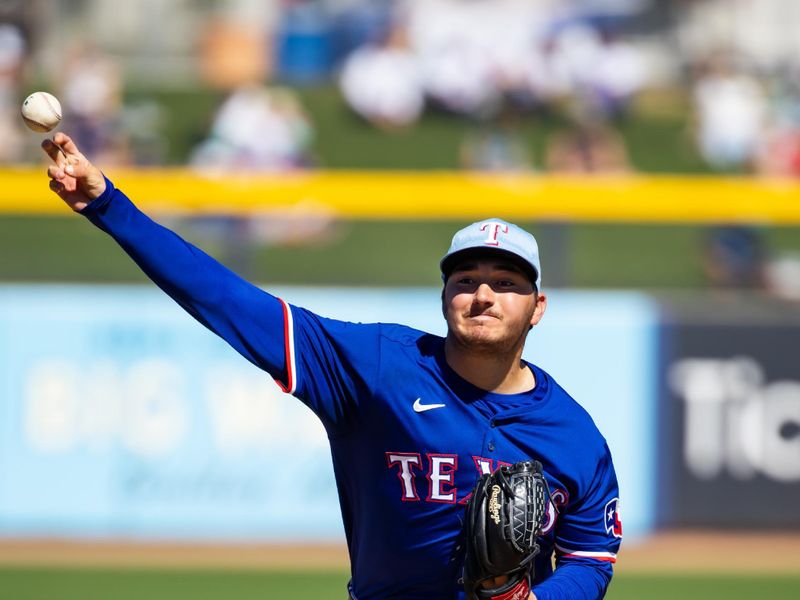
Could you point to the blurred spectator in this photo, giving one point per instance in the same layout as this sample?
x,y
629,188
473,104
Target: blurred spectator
x,y
546,80
783,276
12,56
730,109
620,75
472,53
573,60
257,128
458,79
779,153
304,46
359,23
497,146
735,258
91,97
382,83
587,148
144,121
600,72
233,53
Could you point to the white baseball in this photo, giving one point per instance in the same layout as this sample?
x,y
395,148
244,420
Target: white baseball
x,y
41,111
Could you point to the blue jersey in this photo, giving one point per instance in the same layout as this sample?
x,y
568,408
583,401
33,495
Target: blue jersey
x,y
408,436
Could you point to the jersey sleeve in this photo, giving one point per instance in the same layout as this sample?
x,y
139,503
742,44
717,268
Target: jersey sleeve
x,y
333,365
588,536
591,527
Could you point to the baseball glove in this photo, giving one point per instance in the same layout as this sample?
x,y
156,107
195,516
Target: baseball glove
x,y
504,517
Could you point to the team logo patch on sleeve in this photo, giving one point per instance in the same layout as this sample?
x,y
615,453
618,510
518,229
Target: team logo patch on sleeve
x,y
612,518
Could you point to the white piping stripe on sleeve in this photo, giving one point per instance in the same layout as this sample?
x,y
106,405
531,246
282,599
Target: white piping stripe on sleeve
x,y
291,367
585,553
288,351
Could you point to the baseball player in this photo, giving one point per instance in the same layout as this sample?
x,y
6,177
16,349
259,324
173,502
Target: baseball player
x,y
413,419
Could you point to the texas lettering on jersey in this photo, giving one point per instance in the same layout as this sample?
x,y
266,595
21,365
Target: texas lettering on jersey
x,y
440,475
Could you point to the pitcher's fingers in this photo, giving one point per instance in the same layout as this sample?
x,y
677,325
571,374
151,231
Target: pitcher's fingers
x,y
54,152
66,143
57,187
55,172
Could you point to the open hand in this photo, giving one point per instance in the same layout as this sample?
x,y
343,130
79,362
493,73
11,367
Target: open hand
x,y
72,176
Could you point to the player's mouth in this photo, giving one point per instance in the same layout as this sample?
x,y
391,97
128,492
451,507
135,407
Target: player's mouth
x,y
483,317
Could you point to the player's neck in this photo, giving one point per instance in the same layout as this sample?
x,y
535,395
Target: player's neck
x,y
493,372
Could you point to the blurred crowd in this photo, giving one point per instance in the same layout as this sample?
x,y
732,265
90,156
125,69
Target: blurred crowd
x,y
494,63
746,120
497,65
477,58
13,49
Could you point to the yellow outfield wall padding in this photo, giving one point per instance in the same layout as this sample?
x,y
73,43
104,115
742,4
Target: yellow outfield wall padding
x,y
433,195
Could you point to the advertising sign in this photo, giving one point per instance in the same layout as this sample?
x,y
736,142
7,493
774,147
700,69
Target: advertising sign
x,y
730,417
121,416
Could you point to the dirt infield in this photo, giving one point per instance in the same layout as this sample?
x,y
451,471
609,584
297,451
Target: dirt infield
x,y
684,552
170,555
712,552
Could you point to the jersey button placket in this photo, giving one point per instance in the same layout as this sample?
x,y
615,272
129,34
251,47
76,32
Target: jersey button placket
x,y
490,444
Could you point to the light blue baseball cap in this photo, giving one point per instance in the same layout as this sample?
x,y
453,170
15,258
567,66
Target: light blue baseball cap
x,y
492,236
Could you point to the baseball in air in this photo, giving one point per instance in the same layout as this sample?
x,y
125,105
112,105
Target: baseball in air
x,y
41,111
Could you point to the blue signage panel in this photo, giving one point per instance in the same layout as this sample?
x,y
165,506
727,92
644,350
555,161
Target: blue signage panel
x,y
120,416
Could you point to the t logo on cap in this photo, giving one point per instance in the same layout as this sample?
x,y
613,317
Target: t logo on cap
x,y
483,237
494,229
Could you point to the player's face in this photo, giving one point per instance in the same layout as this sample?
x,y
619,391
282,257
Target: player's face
x,y
490,305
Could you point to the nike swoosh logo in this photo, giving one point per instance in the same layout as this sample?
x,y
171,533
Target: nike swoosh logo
x,y
420,407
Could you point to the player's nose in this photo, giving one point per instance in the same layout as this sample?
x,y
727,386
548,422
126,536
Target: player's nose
x,y
484,294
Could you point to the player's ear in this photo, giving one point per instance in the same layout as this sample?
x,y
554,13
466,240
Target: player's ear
x,y
538,310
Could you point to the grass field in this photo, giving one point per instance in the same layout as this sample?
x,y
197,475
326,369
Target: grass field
x,y
685,565
127,584
401,253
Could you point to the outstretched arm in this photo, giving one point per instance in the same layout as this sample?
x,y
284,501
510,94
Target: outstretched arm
x,y
248,318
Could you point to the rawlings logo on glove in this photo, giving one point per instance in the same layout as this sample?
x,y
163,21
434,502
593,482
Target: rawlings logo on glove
x,y
504,518
494,505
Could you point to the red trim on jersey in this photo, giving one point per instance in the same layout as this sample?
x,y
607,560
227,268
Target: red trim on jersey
x,y
288,349
611,559
558,499
418,462
478,459
447,478
603,556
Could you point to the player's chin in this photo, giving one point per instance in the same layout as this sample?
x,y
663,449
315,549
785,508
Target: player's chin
x,y
484,339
